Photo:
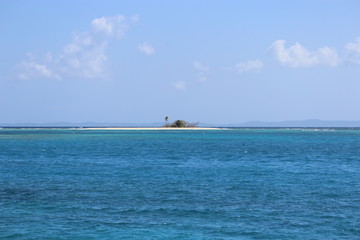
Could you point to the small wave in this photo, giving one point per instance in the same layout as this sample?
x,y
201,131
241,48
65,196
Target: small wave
x,y
318,130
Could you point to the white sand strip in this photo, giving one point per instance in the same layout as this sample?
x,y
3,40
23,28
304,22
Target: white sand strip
x,y
149,128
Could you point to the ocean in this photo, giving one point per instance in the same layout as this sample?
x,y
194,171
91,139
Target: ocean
x,y
193,184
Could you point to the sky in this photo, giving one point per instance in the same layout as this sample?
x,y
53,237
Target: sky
x,y
207,61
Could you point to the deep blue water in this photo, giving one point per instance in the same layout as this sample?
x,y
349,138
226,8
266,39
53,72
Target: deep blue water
x,y
217,184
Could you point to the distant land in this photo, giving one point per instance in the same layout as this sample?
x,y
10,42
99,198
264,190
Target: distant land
x,y
252,124
303,123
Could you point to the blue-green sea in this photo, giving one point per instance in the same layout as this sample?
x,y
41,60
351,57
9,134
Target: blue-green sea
x,y
170,184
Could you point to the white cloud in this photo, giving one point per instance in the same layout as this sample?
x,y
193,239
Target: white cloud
x,y
354,46
114,25
202,77
146,48
249,66
202,71
180,85
200,67
35,70
84,57
353,51
85,60
298,56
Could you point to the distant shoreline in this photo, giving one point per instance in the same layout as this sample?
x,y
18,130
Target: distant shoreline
x,y
310,123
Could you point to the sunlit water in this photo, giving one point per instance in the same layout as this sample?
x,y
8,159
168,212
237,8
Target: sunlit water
x,y
204,184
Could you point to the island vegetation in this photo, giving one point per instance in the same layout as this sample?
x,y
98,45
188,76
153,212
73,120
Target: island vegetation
x,y
180,124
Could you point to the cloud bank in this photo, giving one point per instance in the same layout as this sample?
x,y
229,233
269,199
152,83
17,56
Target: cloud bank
x,y
84,57
298,56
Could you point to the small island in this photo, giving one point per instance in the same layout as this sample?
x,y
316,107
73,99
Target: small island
x,y
180,124
176,125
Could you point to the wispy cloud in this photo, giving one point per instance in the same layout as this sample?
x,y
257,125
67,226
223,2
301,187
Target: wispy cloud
x,y
298,56
180,85
32,70
353,51
200,67
249,66
202,71
84,57
135,18
146,48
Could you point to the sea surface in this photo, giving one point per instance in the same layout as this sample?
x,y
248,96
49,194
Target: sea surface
x,y
193,184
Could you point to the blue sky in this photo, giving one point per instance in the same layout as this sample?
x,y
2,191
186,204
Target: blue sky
x,y
202,61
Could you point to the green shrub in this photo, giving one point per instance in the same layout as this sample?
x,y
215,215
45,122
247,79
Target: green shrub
x,y
181,124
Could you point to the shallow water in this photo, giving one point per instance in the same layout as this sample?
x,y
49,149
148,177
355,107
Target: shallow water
x,y
210,184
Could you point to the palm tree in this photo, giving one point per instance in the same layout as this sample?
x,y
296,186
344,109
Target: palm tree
x,y
166,119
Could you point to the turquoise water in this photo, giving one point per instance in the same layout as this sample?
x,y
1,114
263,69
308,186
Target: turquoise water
x,y
217,184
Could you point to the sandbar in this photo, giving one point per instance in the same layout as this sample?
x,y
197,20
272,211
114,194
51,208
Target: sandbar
x,y
149,128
